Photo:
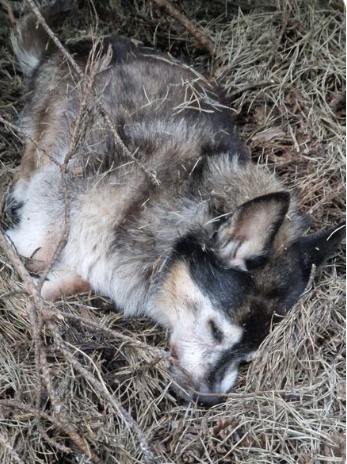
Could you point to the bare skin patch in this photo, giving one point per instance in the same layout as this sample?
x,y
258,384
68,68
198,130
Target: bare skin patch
x,y
63,283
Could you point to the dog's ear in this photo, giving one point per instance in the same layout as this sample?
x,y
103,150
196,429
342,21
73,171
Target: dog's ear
x,y
248,234
316,248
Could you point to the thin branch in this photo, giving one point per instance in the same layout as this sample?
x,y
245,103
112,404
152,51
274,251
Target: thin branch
x,y
54,443
41,20
272,58
49,314
152,175
252,85
64,166
20,268
17,129
40,354
100,387
202,39
65,426
6,445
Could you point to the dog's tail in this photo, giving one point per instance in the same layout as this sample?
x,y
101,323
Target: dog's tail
x,y
30,41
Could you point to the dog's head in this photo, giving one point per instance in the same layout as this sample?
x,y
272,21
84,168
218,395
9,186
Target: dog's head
x,y
220,294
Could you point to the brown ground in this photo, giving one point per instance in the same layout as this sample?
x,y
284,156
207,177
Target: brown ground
x,y
86,380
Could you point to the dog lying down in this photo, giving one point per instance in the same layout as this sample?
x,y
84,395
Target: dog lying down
x,y
166,214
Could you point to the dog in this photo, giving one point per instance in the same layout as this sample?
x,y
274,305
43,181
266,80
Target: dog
x,y
134,165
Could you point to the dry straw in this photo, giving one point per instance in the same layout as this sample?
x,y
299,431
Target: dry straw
x,y
80,384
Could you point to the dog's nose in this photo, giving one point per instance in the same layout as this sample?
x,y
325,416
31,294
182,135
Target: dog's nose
x,y
208,399
208,395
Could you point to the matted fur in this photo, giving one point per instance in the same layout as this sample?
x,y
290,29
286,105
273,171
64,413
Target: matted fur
x,y
164,211
184,431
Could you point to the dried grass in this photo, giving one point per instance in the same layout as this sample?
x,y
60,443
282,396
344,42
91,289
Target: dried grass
x,y
87,385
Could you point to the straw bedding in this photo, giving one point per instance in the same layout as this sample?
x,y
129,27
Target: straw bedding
x,y
79,383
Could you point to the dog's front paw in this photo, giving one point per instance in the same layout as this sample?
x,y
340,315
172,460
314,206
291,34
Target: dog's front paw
x,y
15,201
13,209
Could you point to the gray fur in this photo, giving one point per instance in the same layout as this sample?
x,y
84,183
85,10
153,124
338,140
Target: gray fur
x,y
171,169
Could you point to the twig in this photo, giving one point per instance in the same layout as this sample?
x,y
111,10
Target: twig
x,y
279,39
49,314
203,40
54,443
66,427
310,283
20,131
40,354
36,317
251,86
64,166
20,268
32,310
10,16
10,450
41,20
12,126
100,387
152,175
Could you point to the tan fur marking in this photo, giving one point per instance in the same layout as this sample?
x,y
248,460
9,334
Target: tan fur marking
x,y
39,149
176,291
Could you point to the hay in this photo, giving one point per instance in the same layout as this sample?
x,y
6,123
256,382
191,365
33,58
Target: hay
x,y
78,383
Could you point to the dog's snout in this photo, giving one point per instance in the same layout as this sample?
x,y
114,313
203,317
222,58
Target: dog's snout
x,y
209,395
209,399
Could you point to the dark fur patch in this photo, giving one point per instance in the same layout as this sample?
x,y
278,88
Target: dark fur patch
x,y
227,288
